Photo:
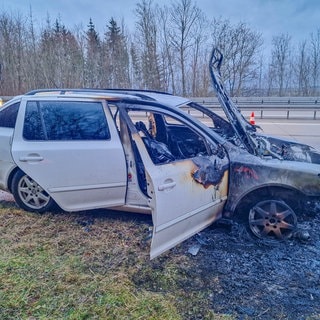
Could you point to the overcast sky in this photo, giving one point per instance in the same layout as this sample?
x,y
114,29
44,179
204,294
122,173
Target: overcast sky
x,y
298,18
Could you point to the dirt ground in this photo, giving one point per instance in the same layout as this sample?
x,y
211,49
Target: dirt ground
x,y
260,279
250,278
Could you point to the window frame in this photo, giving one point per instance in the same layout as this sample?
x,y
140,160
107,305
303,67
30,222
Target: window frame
x,y
180,121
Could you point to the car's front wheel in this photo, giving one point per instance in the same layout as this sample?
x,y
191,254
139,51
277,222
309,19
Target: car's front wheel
x,y
272,218
29,195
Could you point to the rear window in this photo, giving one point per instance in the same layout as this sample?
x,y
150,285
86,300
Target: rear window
x,y
8,115
65,120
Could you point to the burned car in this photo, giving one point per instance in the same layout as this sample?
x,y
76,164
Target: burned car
x,y
148,152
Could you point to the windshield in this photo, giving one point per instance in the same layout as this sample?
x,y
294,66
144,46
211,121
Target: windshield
x,y
214,121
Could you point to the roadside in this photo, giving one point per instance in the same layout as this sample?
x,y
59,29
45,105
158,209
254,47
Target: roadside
x,y
95,264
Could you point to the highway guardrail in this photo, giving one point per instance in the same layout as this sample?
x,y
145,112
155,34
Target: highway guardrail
x,y
266,107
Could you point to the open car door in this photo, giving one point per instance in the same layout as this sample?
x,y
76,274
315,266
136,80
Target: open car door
x,y
185,195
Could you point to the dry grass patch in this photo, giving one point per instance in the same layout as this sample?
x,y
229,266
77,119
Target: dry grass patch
x,y
92,265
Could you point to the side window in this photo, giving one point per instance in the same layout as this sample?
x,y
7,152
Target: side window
x,y
167,139
8,115
33,127
65,120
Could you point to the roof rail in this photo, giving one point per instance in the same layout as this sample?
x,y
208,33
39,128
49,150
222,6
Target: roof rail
x,y
62,91
142,94
114,90
136,90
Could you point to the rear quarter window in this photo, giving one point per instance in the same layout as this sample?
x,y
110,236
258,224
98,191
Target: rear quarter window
x,y
8,115
65,120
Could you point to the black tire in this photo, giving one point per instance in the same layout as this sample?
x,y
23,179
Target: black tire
x,y
29,195
272,218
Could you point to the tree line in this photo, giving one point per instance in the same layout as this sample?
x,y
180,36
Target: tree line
x,y
167,50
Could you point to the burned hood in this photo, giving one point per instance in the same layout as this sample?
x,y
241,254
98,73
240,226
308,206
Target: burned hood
x,y
255,143
242,128
285,149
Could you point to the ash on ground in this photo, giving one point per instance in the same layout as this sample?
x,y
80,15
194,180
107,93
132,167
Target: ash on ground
x,y
251,278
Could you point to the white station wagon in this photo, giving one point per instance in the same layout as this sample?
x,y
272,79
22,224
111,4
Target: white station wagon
x,y
148,152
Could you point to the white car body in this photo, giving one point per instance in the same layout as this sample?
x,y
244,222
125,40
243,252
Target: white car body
x,y
148,152
86,174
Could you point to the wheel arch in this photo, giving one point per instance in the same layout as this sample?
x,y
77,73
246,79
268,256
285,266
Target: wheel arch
x,y
46,203
291,196
10,177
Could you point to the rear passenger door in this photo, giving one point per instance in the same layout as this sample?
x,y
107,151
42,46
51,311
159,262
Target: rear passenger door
x,y
73,150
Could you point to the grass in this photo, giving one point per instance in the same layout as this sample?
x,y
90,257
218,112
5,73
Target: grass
x,y
92,265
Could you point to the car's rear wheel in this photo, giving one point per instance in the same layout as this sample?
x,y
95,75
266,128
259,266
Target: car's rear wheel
x,y
272,218
29,195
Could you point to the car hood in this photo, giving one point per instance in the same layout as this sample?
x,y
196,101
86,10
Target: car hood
x,y
241,126
258,144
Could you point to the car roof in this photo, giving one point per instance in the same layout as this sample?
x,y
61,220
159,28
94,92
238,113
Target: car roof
x,y
114,94
79,93
162,97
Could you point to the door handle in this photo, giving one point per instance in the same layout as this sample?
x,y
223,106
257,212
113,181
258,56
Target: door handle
x,y
31,158
167,186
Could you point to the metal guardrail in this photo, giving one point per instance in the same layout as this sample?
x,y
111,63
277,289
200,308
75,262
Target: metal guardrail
x,y
263,107
266,107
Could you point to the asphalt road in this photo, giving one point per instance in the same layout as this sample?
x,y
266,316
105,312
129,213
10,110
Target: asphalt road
x,y
305,131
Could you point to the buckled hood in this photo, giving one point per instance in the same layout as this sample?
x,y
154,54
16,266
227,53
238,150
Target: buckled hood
x,y
256,143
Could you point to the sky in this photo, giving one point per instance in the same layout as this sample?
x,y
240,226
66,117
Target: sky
x,y
297,18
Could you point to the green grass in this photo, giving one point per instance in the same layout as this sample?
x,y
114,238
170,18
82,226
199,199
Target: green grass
x,y
91,266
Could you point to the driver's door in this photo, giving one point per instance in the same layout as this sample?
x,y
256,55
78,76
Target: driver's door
x,y
185,195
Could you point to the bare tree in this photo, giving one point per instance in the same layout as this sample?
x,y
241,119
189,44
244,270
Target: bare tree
x,y
136,69
302,70
12,53
32,67
185,18
167,51
198,54
315,61
281,62
241,48
147,32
